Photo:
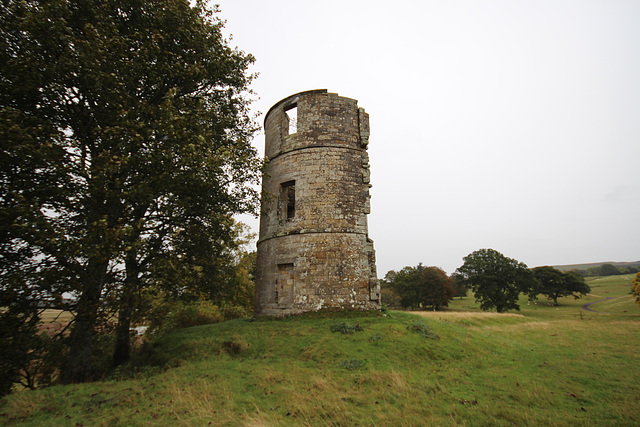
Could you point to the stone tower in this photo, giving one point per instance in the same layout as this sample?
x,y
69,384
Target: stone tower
x,y
314,251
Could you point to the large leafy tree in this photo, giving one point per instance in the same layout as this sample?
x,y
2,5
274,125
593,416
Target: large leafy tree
x,y
554,284
496,280
421,286
125,144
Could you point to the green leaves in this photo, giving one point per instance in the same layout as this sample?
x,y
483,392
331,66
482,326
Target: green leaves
x,y
421,286
554,284
496,280
125,151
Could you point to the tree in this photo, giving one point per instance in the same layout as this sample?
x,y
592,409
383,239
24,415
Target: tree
x,y
459,285
405,283
436,288
421,286
496,280
636,288
608,270
555,284
125,137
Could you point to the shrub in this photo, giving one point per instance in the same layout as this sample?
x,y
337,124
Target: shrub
x,y
234,312
199,313
346,328
424,330
168,315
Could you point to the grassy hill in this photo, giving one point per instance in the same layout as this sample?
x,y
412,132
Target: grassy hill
x,y
569,267
543,366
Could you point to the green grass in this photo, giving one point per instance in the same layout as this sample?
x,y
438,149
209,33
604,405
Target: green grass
x,y
544,365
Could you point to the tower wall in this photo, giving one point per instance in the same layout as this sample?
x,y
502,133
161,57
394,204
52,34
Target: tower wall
x,y
314,251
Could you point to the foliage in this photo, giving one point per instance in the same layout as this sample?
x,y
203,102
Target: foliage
x,y
636,288
125,153
608,269
29,355
167,314
496,280
389,297
459,285
421,286
346,328
554,284
18,335
422,329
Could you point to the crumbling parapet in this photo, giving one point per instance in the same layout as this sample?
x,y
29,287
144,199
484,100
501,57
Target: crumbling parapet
x,y
314,251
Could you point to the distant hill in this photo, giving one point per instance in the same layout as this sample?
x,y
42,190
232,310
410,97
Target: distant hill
x,y
595,264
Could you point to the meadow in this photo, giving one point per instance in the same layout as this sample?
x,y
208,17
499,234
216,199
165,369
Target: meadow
x,y
543,365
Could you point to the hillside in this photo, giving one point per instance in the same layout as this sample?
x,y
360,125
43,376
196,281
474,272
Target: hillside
x,y
568,267
543,366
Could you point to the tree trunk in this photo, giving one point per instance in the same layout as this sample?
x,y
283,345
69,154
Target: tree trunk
x,y
78,367
122,350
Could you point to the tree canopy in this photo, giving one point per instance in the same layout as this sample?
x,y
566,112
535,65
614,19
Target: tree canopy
x,y
496,280
125,153
421,286
554,284
636,288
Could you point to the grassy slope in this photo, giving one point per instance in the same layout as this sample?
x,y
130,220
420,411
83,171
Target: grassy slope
x,y
545,365
568,267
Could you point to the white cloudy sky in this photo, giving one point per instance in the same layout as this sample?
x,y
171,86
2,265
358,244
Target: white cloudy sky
x,y
504,124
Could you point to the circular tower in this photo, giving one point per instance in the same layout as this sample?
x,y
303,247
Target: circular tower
x,y
314,251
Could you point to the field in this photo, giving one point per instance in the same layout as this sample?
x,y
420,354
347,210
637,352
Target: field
x,y
544,365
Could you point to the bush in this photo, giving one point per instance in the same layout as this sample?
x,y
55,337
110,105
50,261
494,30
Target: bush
x,y
424,330
168,315
346,328
199,313
230,312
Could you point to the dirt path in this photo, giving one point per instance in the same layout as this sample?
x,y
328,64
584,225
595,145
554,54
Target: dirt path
x,y
588,305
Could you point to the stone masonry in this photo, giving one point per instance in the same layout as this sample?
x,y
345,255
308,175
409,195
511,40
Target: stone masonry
x,y
314,251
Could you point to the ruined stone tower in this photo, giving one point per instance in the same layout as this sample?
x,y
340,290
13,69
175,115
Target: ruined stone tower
x,y
314,251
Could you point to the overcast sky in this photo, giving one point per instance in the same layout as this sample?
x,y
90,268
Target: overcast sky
x,y
505,124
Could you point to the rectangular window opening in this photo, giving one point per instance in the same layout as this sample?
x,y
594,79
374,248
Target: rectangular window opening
x,y
291,112
288,197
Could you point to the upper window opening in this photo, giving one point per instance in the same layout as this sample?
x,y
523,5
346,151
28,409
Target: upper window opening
x,y
289,199
291,113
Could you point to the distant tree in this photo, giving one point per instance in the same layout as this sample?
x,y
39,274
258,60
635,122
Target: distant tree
x,y
592,271
421,286
405,283
496,280
437,288
460,285
578,272
632,269
389,296
554,284
608,270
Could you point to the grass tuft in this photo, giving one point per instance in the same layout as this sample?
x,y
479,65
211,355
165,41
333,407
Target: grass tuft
x,y
346,328
424,330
